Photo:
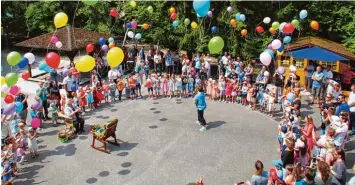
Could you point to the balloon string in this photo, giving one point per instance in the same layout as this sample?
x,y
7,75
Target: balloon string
x,y
50,40
28,29
76,9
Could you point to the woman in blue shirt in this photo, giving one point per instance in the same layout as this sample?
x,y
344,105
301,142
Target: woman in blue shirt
x,y
200,102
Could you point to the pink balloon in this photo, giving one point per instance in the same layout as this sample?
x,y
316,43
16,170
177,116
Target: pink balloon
x,y
269,46
14,90
265,58
35,123
134,24
54,39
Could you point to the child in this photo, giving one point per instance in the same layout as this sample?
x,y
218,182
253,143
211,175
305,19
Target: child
x,y
32,143
82,98
260,98
271,104
209,88
132,87
98,96
234,91
215,90
185,81
106,89
239,95
120,87
20,152
222,89
171,86
190,85
149,85
253,97
138,85
90,98
229,89
178,85
157,85
244,93
127,89
62,102
112,86
54,91
165,82
198,82
54,113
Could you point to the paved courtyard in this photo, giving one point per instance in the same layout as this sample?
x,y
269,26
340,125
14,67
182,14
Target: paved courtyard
x,y
160,144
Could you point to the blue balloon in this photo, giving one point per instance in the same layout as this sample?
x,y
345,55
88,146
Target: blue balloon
x,y
281,48
242,17
110,40
290,97
176,23
129,25
102,41
303,14
287,39
23,63
271,53
237,16
138,36
201,7
44,67
19,106
214,29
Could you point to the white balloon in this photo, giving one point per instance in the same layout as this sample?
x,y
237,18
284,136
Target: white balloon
x,y
58,44
265,58
30,57
5,88
267,20
130,34
282,26
276,44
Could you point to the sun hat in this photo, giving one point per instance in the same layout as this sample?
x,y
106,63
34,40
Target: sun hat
x,y
277,163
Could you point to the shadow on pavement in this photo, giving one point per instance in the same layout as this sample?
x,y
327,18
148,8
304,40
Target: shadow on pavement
x,y
215,124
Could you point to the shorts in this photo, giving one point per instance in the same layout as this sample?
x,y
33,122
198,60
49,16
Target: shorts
x,y
222,92
184,87
133,91
127,91
150,89
138,86
244,95
316,91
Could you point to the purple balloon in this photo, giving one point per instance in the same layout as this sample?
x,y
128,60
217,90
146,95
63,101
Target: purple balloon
x,y
281,70
210,14
104,47
54,39
269,46
65,72
36,105
9,109
229,9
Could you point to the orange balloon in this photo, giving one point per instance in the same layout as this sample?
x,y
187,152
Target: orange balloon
x,y
111,45
172,10
145,26
244,32
233,22
315,25
272,31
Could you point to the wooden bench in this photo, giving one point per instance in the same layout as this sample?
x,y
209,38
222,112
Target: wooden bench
x,y
109,132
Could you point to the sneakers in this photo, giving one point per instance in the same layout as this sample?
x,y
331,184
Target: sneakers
x,y
197,122
203,128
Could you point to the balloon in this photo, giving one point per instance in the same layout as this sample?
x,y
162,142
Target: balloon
x,y
128,25
233,22
229,9
30,57
303,14
201,7
259,29
290,97
36,105
172,10
275,25
44,67
4,88
295,23
3,80
60,20
276,44
19,106
288,28
133,4
193,25
130,34
287,39
266,20
214,29
9,99
35,123
25,75
89,2
23,63
281,48
85,63
113,12
173,16
150,9
244,32
282,26
265,58
11,79
145,26
65,72
134,24
272,31
90,48
104,47
58,44
279,53
292,68
315,25
52,59
54,39
237,16
13,58
9,109
176,23
209,14
110,40
115,56
138,36
270,52
14,90
215,45
111,45
242,17
187,21
102,41
269,46
281,70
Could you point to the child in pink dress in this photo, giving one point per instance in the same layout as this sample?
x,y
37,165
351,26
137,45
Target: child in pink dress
x,y
210,88
105,89
165,81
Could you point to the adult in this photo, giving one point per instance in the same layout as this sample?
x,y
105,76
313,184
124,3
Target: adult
x,y
185,65
260,177
328,75
287,155
308,177
198,64
223,62
309,133
73,112
150,60
176,62
23,99
75,73
200,102
324,175
158,66
68,83
94,79
309,73
343,106
142,54
112,74
317,78
168,62
351,104
249,70
207,63
43,94
133,52
348,74
334,89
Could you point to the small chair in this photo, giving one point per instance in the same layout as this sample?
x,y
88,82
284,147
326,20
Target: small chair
x,y
109,132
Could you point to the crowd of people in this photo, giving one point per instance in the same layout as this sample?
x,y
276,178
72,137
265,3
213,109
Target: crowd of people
x,y
305,158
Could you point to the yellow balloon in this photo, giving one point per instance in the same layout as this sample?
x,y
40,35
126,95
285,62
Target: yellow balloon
x,y
3,80
85,63
133,4
60,20
193,25
279,53
115,56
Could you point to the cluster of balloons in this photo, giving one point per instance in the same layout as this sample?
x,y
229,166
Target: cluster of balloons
x,y
56,42
131,35
111,42
215,45
240,17
14,58
113,13
132,24
60,19
173,14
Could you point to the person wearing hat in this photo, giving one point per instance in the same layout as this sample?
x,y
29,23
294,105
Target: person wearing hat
x,y
73,112
281,172
200,102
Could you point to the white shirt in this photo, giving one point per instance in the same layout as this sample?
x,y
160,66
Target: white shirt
x,y
310,70
112,75
207,65
351,100
327,75
69,81
224,60
5,130
332,91
157,58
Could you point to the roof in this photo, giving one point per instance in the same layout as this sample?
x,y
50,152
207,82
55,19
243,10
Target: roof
x,y
323,43
71,38
316,53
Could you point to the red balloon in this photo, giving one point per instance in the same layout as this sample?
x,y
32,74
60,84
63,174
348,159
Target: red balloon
x,y
173,16
113,13
259,29
53,60
9,99
25,75
90,48
288,28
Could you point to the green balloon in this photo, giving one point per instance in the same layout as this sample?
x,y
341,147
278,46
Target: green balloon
x,y
187,21
295,23
13,58
275,25
89,2
11,79
150,9
216,45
